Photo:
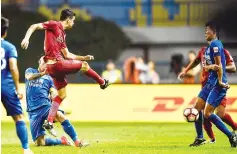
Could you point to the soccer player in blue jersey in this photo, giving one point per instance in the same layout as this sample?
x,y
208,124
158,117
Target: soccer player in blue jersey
x,y
39,87
215,89
10,89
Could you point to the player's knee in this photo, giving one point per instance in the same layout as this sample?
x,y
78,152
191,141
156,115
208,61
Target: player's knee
x,y
62,96
17,118
85,66
220,114
39,144
207,114
199,105
40,141
60,117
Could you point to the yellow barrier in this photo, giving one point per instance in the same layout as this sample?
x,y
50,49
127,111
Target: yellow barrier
x,y
158,103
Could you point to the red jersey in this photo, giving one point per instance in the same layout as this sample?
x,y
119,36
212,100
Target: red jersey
x,y
205,74
54,40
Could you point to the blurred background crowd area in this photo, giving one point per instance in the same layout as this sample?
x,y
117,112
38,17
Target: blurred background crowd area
x,y
133,41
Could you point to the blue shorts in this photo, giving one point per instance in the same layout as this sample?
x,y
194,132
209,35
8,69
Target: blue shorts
x,y
213,95
37,118
216,96
11,102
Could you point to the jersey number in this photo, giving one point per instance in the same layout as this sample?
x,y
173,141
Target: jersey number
x,y
3,60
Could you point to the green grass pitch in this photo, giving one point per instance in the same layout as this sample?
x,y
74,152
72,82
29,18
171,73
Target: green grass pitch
x,y
124,138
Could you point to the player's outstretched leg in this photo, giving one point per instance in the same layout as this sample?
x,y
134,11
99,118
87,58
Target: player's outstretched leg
x,y
221,112
22,134
199,140
69,129
208,128
62,141
104,83
228,120
208,113
48,125
42,141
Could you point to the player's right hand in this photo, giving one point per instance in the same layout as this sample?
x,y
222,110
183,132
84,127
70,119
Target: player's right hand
x,y
19,95
181,75
224,85
25,43
214,67
89,57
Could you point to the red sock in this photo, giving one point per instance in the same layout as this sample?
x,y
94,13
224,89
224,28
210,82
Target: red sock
x,y
92,74
208,128
54,108
228,120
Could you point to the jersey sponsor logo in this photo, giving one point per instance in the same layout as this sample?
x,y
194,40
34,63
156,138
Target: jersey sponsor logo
x,y
36,83
215,49
59,39
203,62
208,59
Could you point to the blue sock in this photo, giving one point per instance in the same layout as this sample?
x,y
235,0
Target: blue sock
x,y
22,134
68,128
219,124
51,141
198,125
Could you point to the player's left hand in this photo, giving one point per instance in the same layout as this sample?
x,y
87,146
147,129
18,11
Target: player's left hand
x,y
89,57
224,85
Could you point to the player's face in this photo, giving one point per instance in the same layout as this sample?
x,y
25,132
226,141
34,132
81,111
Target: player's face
x,y
151,65
191,56
70,22
110,66
209,34
5,35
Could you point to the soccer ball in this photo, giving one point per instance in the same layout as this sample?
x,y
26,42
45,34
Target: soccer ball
x,y
191,114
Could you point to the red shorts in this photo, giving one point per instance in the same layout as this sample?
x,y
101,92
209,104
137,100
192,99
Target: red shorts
x,y
223,102
60,69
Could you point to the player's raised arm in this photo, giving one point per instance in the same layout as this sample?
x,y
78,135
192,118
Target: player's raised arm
x,y
30,31
69,55
33,76
191,65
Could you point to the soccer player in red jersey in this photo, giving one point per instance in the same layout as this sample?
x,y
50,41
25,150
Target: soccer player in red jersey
x,y
59,62
220,110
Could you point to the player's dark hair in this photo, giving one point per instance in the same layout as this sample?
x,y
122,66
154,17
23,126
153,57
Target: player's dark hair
x,y
213,26
66,13
4,25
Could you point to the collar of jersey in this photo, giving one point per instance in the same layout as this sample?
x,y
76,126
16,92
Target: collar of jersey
x,y
213,40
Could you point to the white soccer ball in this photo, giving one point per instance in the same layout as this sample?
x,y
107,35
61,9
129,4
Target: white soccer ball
x,y
191,114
